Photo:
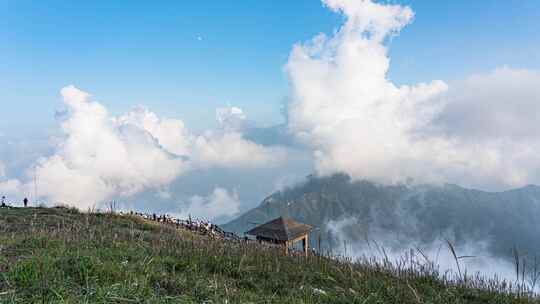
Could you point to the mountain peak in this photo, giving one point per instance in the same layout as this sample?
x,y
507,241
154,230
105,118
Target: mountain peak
x,y
417,214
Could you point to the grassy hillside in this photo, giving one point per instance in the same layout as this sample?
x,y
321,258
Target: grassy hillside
x,y
59,255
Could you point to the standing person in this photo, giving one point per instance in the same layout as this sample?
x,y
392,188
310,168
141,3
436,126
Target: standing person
x,y
25,202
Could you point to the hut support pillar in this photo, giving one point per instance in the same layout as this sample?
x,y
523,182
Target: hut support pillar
x,y
305,244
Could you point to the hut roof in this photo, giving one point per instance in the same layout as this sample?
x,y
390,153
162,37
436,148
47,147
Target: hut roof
x,y
281,229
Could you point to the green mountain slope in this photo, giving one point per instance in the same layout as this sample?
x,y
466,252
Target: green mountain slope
x,y
59,255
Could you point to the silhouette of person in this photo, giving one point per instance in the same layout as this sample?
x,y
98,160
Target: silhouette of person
x,y
25,202
3,201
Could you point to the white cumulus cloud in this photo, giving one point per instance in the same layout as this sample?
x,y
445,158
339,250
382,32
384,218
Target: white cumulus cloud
x,y
101,156
344,107
501,104
171,134
357,121
231,150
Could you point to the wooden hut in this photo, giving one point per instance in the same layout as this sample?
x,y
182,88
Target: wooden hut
x,y
283,231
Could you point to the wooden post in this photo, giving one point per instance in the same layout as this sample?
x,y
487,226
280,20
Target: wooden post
x,y
319,243
305,244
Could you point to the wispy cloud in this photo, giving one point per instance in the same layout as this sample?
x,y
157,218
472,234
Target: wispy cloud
x,y
219,203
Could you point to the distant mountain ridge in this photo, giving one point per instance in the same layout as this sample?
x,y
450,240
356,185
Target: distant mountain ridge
x,y
421,213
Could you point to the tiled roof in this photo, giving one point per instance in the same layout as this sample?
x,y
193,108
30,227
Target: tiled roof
x,y
282,229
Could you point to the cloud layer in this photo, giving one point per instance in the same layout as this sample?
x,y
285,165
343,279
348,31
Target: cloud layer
x,y
383,245
356,121
101,157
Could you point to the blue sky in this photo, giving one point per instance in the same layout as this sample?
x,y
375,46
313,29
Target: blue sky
x,y
135,52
